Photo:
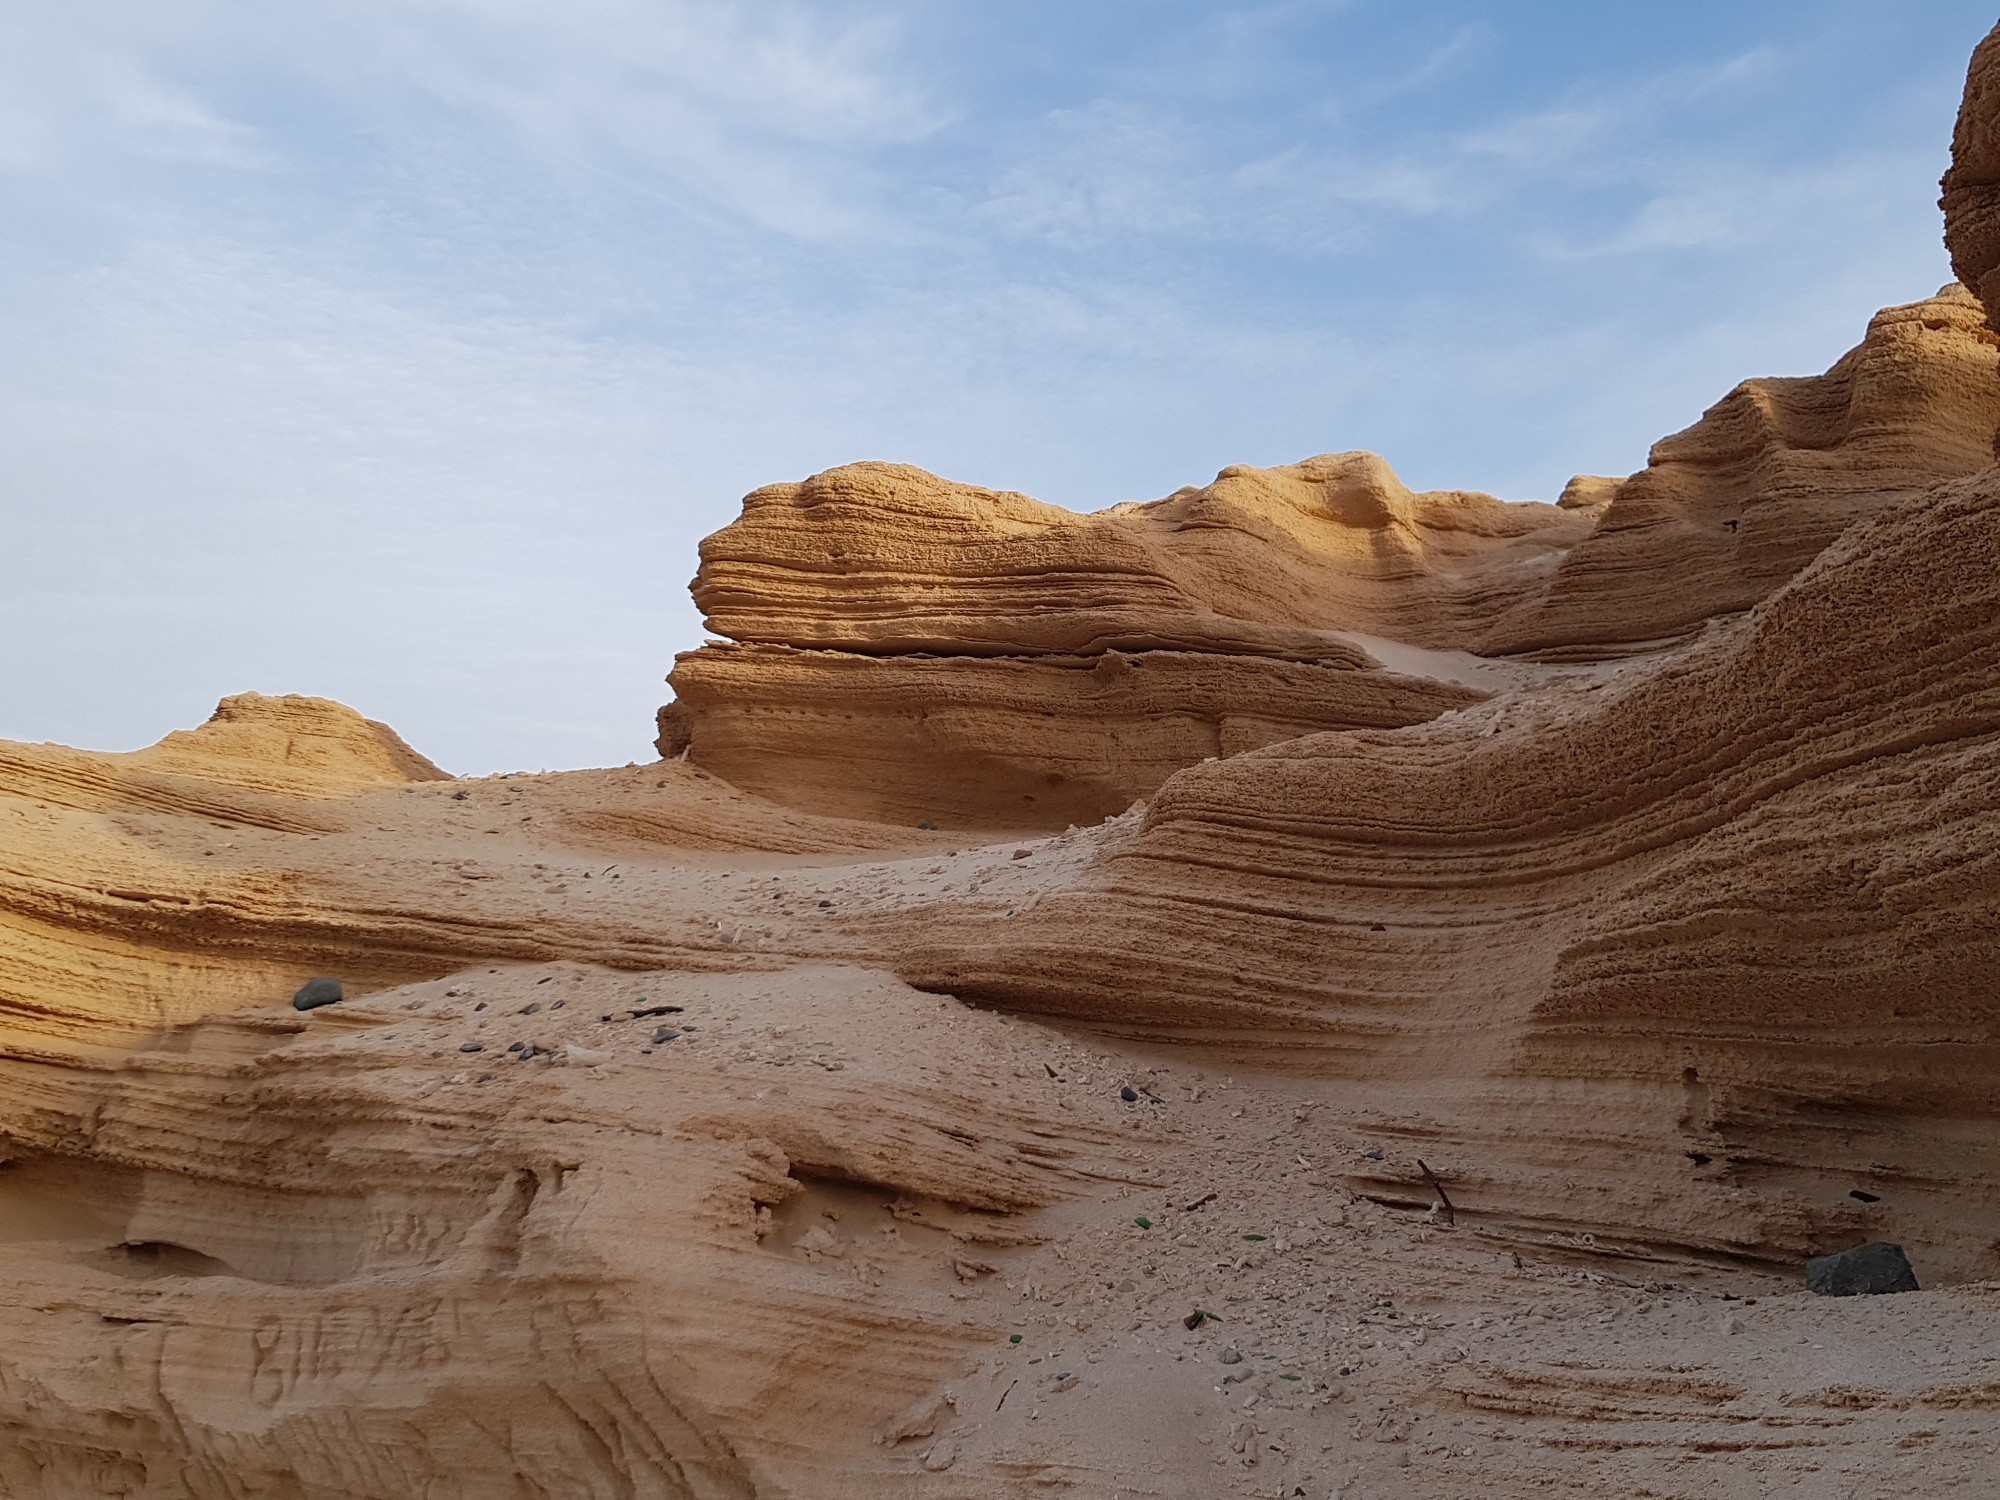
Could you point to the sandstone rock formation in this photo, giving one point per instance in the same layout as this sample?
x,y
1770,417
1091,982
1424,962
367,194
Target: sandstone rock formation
x,y
924,651
1436,1090
1727,511
1971,201
1756,887
914,650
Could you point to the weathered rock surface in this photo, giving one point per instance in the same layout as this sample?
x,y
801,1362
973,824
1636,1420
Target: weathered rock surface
x,y
1008,741
1727,511
908,648
1675,970
1755,885
1971,201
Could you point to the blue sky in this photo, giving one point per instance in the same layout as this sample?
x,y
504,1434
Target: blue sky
x,y
401,351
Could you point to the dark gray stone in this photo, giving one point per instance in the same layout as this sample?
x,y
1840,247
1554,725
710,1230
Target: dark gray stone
x,y
473,1047
317,992
1864,1271
664,1034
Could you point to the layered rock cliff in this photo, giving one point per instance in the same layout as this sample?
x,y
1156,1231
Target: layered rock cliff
x,y
1433,1091
1752,892
905,648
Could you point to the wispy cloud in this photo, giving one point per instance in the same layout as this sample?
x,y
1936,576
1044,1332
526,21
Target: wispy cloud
x,y
473,315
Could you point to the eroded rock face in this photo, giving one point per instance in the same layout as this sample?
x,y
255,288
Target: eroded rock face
x,y
1007,741
911,649
1671,970
883,559
1754,885
914,649
1729,510
1971,201
311,747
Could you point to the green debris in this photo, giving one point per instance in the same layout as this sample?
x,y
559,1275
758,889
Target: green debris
x,y
1036,1360
1013,1338
1143,1222
1288,1377
1256,1236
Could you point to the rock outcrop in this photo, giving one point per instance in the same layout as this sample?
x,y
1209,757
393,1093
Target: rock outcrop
x,y
1727,511
917,650
1388,1107
1751,892
913,650
1971,200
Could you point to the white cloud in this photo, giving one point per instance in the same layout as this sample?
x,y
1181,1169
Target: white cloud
x,y
403,349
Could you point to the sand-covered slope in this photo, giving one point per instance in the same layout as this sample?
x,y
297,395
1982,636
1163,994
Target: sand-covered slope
x,y
1752,891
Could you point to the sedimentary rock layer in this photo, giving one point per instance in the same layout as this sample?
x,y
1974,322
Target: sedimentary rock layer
x,y
1754,888
884,559
1007,741
907,648
1727,511
1971,201
289,836
913,649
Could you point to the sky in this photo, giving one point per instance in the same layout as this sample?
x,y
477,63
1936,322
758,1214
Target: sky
x,y
402,351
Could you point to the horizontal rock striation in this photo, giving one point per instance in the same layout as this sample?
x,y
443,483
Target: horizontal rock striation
x,y
1069,662
1753,889
1727,511
1007,741
1971,200
289,837
910,649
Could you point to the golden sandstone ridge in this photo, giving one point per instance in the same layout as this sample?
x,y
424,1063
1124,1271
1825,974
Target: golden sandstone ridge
x,y
913,650
1545,926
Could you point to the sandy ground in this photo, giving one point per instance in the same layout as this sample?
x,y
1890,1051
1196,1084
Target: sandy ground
x,y
1342,1348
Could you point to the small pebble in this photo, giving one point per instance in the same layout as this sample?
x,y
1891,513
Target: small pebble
x,y
531,1007
473,1047
1129,1094
664,1034
1230,1356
